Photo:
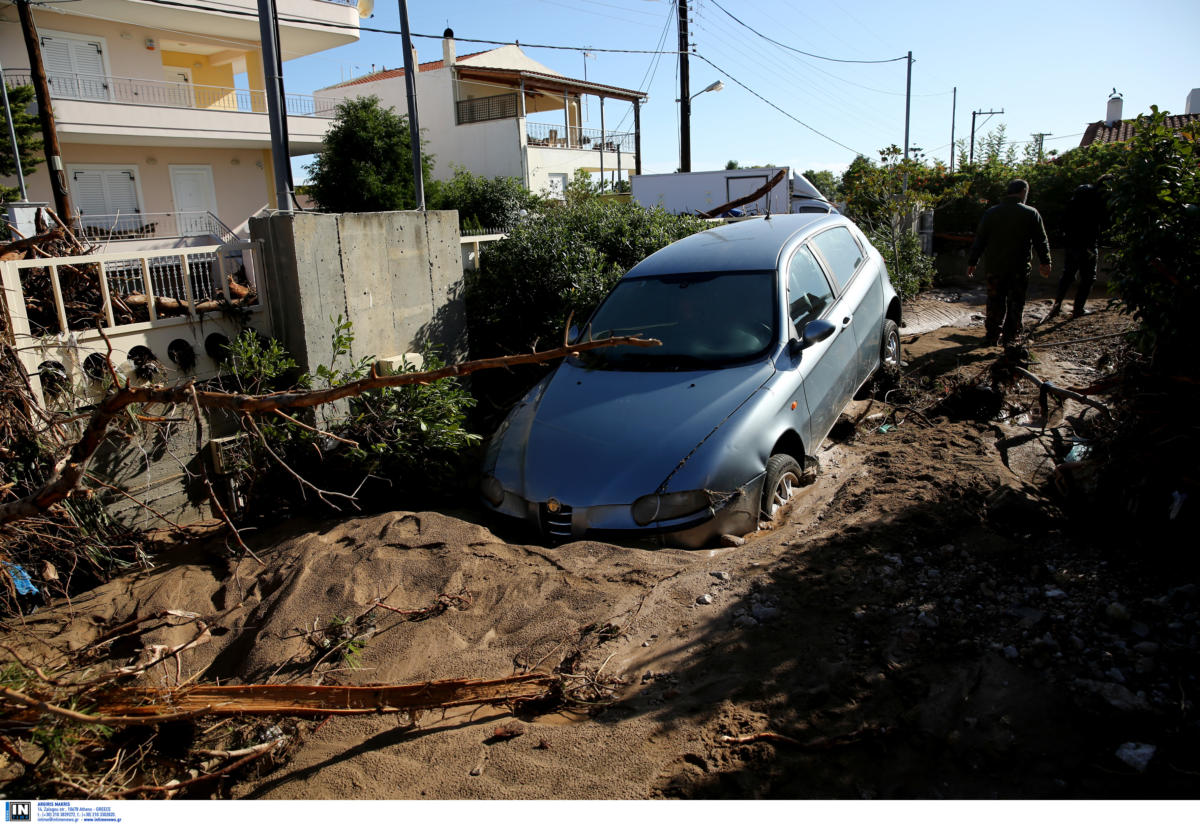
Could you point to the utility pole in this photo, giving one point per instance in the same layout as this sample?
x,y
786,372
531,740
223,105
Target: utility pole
x,y
1038,138
685,97
974,114
907,113
41,88
953,113
280,157
587,55
410,85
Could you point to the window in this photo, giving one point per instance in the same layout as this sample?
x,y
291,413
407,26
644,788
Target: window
x,y
808,289
841,251
106,197
75,66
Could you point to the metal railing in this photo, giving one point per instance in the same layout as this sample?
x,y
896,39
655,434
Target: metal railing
x,y
480,109
144,225
558,136
151,301
110,89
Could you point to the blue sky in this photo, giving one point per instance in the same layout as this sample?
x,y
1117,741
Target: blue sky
x,y
1049,66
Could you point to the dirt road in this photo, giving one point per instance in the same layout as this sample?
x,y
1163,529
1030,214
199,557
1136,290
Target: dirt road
x,y
923,622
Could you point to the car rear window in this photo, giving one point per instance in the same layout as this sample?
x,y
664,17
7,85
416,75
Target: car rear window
x,y
808,289
841,251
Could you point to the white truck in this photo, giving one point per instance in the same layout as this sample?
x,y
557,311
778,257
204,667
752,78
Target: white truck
x,y
700,192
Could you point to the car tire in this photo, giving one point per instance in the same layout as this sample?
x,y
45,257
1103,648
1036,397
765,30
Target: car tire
x,y
783,478
889,347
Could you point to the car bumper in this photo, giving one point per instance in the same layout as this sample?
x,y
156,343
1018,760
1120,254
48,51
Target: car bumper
x,y
733,513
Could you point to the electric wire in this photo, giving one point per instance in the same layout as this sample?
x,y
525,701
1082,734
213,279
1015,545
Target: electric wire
x,y
800,51
782,111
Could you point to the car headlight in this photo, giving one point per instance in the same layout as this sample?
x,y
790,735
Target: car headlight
x,y
493,490
654,507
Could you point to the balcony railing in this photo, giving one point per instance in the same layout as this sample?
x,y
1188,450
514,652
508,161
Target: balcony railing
x,y
480,109
109,89
144,225
557,136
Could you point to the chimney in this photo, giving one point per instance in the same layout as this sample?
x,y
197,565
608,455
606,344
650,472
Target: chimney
x,y
1115,104
1193,102
448,54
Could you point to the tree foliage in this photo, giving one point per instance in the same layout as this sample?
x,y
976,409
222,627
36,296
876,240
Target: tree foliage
x,y
1155,209
483,204
29,140
562,261
827,182
365,164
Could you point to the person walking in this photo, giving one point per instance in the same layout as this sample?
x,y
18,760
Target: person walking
x,y
1007,232
1082,222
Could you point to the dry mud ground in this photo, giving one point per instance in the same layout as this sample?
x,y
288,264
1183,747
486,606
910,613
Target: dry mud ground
x,y
923,622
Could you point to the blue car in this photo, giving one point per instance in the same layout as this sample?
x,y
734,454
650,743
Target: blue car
x,y
769,326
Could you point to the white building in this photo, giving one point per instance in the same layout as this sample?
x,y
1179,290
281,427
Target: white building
x,y
501,113
160,110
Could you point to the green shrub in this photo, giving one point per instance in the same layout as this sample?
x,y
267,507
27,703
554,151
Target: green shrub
x,y
1155,211
562,261
411,436
365,164
911,270
494,205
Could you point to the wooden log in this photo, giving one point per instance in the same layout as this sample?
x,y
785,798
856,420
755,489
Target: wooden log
x,y
299,700
26,243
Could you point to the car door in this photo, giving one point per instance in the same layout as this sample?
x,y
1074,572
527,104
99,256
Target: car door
x,y
861,300
827,368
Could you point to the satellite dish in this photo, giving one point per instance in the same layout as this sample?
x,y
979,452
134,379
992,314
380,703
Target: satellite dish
x,y
365,8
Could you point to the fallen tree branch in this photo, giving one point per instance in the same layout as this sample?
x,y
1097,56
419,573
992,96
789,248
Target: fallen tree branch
x,y
68,473
319,701
1046,386
755,195
1050,343
46,708
247,755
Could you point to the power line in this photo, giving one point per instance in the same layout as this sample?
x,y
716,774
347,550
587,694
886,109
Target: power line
x,y
799,51
773,106
332,25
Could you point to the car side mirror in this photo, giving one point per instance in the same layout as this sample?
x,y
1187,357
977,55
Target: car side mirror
x,y
572,334
816,331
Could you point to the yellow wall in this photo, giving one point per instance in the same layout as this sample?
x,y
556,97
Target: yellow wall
x,y
254,76
214,84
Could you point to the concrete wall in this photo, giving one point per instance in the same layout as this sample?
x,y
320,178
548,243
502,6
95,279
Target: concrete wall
x,y
397,276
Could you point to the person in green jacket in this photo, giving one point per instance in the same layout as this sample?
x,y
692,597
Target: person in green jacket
x,y
1008,232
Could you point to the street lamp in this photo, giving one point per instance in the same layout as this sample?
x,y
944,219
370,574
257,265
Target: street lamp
x,y
685,123
711,87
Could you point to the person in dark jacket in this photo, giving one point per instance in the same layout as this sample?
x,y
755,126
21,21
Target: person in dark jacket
x,y
1007,233
1082,222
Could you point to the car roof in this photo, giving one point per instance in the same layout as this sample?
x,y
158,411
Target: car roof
x,y
747,245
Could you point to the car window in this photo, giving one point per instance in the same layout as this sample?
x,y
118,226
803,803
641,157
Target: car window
x,y
704,320
841,251
808,289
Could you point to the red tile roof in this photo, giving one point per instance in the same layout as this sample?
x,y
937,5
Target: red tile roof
x,y
1123,130
432,65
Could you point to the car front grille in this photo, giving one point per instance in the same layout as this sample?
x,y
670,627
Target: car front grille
x,y
556,525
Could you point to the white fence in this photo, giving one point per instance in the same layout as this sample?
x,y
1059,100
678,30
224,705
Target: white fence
x,y
168,315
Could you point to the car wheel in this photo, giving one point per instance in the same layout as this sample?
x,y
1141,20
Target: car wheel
x,y
783,478
889,349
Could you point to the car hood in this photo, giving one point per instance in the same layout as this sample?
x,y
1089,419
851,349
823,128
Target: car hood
x,y
605,437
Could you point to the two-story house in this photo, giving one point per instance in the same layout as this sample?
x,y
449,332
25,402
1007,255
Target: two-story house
x,y
501,113
160,110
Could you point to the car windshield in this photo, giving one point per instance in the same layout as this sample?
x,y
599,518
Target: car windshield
x,y
704,320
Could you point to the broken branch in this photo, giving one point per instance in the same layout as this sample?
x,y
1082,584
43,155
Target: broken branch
x,y
1046,386
67,474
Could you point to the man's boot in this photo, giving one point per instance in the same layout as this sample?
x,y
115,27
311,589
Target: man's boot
x,y
1055,310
